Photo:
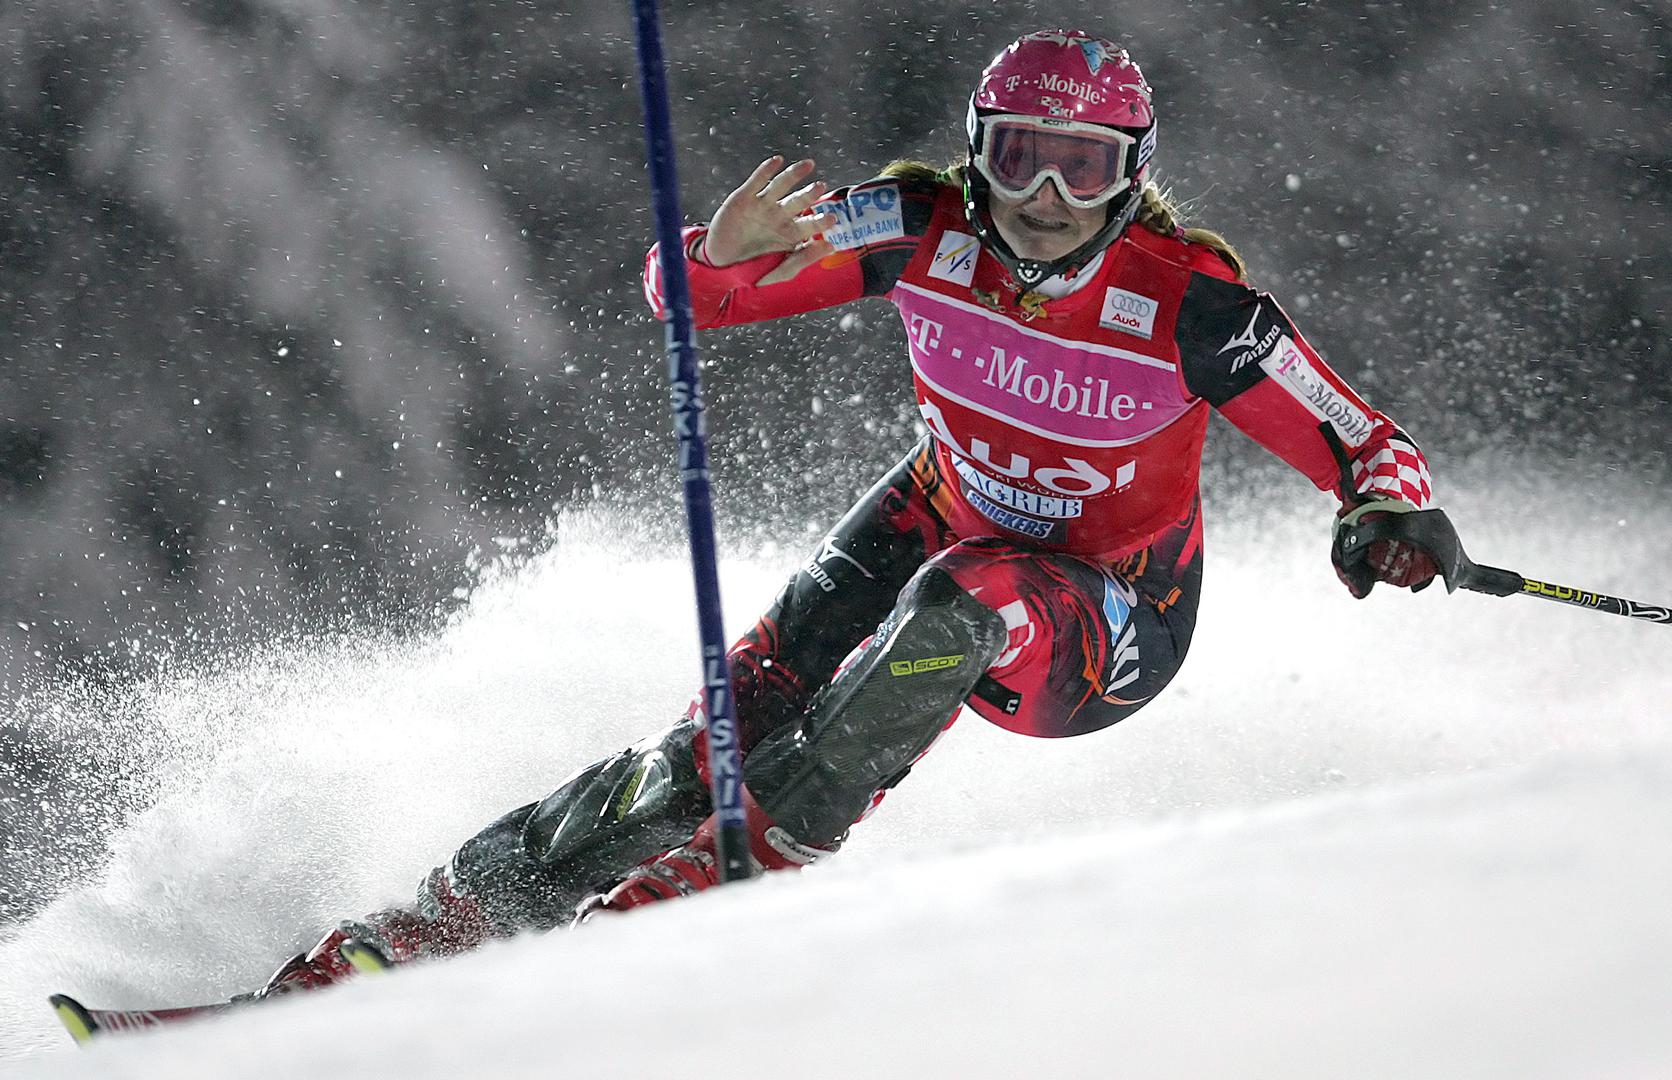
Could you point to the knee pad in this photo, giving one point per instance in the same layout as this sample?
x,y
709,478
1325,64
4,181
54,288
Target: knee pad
x,y
881,713
528,869
624,808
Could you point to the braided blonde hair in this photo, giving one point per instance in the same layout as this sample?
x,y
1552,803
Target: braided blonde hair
x,y
1157,211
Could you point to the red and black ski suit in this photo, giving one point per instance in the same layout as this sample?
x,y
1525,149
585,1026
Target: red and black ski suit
x,y
1060,474
1055,495
1037,556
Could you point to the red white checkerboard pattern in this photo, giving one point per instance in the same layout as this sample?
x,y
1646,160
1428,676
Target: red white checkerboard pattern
x,y
1398,470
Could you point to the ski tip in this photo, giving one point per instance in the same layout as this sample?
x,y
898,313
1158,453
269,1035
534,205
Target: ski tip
x,y
75,1018
364,958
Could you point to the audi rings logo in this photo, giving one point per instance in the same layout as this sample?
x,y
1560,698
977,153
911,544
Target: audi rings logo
x,y
1131,303
1129,313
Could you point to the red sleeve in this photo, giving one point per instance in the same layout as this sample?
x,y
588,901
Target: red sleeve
x,y
879,225
1290,411
728,295
1239,350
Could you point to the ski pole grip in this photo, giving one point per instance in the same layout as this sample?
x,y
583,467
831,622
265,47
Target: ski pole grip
x,y
1492,580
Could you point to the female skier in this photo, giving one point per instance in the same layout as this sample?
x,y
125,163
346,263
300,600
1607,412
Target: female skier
x,y
1036,557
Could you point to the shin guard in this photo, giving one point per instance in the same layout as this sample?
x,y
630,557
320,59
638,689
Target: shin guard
x,y
880,713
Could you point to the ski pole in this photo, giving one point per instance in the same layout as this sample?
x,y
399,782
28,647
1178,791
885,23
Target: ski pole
x,y
1432,531
725,761
1496,582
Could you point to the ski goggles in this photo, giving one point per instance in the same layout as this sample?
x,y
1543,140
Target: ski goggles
x,y
1090,163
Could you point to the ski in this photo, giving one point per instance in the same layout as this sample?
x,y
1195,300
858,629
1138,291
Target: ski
x,y
84,1024
363,958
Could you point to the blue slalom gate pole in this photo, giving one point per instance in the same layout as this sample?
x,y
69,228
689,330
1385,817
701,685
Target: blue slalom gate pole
x,y
725,761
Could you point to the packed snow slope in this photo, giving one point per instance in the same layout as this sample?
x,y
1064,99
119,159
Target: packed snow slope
x,y
1414,836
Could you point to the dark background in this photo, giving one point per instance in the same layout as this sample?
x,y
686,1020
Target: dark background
x,y
301,306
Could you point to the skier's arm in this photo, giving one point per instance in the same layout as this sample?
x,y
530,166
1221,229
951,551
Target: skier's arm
x,y
1239,350
771,252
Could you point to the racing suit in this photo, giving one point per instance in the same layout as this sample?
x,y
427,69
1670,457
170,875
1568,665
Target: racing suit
x,y
1037,556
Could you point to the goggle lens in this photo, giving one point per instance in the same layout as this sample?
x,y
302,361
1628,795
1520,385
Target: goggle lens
x,y
1088,162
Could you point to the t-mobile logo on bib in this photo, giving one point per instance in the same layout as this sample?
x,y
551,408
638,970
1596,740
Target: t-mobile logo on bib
x,y
1128,312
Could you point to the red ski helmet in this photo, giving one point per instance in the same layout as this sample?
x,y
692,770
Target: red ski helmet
x,y
1067,75
1066,107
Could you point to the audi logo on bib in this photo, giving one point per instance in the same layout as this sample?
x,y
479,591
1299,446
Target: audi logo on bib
x,y
1129,313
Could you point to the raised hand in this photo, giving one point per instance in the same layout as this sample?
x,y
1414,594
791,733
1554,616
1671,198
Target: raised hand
x,y
767,213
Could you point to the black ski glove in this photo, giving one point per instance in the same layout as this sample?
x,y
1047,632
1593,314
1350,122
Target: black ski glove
x,y
1390,540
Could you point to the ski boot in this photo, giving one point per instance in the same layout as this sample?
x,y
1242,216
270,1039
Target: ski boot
x,y
695,866
446,922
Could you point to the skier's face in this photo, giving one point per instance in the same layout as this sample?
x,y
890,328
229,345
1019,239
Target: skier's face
x,y
1043,226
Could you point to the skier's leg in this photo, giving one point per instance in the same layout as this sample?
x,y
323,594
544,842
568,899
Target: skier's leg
x,y
835,599
827,609
1089,643
882,710
1045,644
528,869
807,782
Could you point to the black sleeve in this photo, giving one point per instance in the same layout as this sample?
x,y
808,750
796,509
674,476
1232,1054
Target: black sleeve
x,y
1224,330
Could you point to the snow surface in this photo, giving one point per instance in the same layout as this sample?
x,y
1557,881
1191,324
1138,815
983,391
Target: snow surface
x,y
1415,836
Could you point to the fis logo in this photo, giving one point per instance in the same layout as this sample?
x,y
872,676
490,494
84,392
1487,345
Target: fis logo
x,y
903,668
955,258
